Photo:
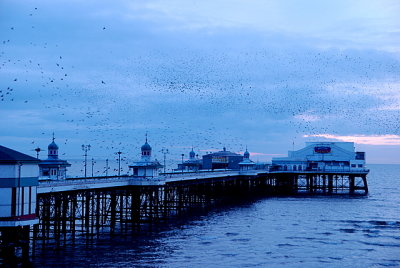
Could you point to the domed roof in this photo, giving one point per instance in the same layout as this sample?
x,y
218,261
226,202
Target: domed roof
x,y
53,146
246,154
146,147
192,154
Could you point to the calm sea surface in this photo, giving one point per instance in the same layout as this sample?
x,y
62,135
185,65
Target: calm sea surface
x,y
271,232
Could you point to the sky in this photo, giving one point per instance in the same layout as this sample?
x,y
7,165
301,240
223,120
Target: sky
x,y
266,75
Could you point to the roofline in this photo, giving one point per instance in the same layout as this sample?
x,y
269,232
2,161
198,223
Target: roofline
x,y
19,161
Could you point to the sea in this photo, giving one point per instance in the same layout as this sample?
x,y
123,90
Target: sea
x,y
293,231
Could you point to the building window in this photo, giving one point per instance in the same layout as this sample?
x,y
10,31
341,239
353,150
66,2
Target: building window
x,y
300,167
30,200
360,165
294,167
353,165
135,171
22,200
13,202
360,155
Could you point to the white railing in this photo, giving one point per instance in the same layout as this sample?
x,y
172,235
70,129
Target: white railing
x,y
81,181
201,175
347,170
170,177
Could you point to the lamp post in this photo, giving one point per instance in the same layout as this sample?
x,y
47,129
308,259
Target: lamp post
x,y
182,161
197,163
85,148
37,152
119,162
164,152
107,167
93,162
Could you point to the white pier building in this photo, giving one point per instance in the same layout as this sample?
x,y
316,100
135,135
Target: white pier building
x,y
146,167
322,156
53,167
246,164
18,182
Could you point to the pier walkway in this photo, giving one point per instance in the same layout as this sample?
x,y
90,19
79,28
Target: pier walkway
x,y
82,183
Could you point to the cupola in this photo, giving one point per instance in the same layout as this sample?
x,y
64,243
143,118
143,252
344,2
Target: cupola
x,y
146,150
52,150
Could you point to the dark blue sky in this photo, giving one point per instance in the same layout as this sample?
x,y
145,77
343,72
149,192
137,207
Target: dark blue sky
x,y
206,74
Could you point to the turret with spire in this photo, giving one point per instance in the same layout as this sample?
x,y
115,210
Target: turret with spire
x,y
52,150
192,164
146,151
246,154
145,167
192,155
53,167
246,164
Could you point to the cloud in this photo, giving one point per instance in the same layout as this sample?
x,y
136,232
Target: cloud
x,y
329,23
307,117
362,139
263,154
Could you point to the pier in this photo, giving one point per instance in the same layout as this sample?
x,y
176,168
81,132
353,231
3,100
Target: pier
x,y
81,208
85,207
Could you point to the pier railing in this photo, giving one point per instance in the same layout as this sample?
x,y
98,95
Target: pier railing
x,y
319,170
125,180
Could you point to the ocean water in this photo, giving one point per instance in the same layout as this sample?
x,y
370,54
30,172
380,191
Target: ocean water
x,y
318,231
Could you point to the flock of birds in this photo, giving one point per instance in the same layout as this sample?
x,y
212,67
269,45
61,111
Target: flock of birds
x,y
208,99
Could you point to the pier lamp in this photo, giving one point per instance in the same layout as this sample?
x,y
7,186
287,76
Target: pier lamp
x,y
37,150
93,162
182,161
107,168
85,148
164,152
119,162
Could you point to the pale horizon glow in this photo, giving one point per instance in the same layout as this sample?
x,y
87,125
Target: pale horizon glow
x,y
362,139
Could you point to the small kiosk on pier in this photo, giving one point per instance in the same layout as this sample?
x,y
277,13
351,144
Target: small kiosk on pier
x,y
146,167
53,167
